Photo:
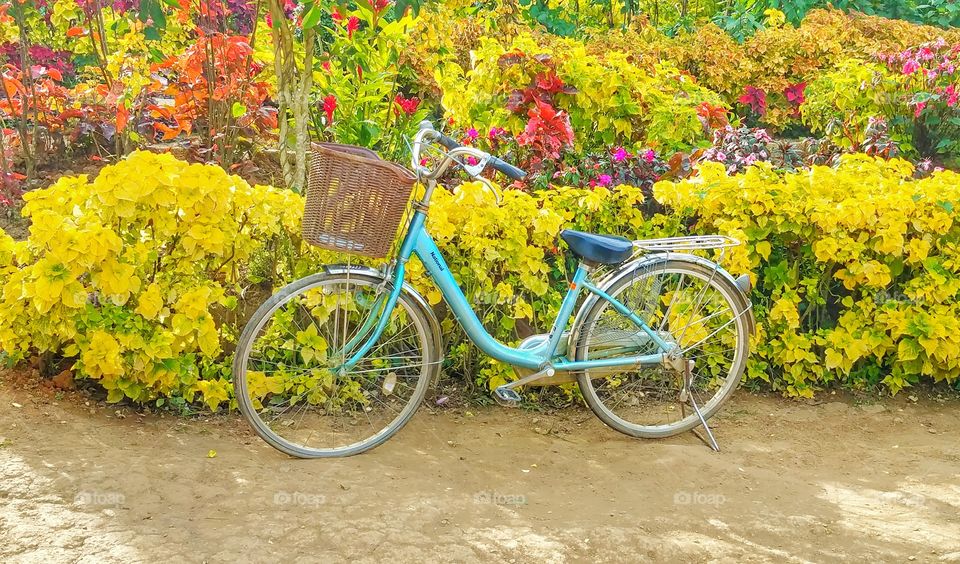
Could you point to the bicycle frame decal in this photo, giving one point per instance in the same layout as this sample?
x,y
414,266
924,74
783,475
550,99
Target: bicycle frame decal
x,y
419,242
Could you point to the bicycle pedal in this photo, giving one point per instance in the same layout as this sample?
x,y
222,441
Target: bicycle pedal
x,y
507,395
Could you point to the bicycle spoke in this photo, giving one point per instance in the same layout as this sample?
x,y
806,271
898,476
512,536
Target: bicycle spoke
x,y
300,389
688,309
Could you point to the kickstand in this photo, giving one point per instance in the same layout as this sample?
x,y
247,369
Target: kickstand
x,y
688,391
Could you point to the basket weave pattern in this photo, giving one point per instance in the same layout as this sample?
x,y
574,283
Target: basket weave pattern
x,y
355,200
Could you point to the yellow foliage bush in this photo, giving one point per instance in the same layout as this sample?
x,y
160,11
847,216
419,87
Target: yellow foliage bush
x,y
857,268
130,272
138,276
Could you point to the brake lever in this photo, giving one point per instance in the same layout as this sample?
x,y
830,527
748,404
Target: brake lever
x,y
475,170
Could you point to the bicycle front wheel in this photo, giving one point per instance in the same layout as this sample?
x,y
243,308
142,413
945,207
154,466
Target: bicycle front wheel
x,y
691,307
289,371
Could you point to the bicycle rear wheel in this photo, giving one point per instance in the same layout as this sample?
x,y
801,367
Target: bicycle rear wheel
x,y
688,304
289,376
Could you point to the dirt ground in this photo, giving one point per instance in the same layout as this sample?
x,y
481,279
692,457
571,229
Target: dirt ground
x,y
795,482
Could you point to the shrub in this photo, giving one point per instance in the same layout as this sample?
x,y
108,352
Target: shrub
x,y
928,95
781,57
857,269
128,274
138,276
610,101
844,103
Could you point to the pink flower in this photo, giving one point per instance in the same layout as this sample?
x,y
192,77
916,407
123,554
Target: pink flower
x,y
472,134
721,156
472,161
495,132
918,109
604,180
649,156
620,155
379,5
911,66
926,53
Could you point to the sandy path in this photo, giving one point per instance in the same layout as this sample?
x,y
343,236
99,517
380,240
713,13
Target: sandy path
x,y
795,483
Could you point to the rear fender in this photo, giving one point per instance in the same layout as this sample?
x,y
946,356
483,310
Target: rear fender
x,y
648,261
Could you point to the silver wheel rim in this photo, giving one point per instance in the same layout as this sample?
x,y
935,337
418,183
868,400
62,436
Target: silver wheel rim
x,y
686,418
396,389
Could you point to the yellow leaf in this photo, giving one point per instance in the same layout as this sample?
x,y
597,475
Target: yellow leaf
x,y
763,249
150,302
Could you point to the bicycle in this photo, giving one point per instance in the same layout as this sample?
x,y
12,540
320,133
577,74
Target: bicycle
x,y
336,363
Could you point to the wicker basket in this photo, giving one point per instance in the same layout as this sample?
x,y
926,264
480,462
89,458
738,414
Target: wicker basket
x,y
355,200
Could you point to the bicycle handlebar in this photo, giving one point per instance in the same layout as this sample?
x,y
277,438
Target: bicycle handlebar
x,y
451,145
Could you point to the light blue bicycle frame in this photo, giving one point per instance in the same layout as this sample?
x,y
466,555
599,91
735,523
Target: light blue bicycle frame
x,y
418,241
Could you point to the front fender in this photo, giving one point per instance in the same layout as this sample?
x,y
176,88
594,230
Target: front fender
x,y
408,290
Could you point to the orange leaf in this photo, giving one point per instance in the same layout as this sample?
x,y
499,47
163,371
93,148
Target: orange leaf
x,y
168,132
122,117
75,32
55,74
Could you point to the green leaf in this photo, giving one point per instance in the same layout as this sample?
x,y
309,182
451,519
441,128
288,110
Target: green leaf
x,y
369,133
312,17
151,10
238,110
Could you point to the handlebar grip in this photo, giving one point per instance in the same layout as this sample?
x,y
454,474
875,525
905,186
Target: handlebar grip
x,y
507,168
498,164
448,142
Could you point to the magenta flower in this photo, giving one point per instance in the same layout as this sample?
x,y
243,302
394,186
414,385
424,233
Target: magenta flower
x,y
495,132
910,67
649,156
604,180
952,95
620,154
472,134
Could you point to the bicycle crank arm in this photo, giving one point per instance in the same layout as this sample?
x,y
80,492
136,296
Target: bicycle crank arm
x,y
506,392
